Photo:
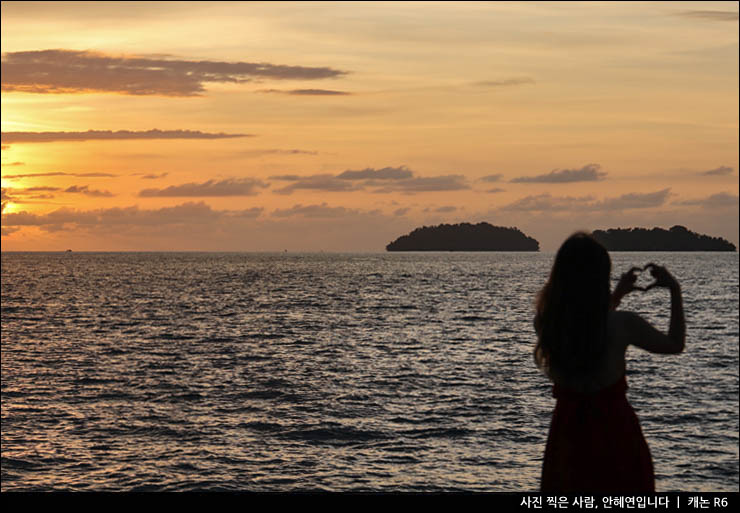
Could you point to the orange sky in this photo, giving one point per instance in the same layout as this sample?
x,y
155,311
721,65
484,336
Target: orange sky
x,y
261,126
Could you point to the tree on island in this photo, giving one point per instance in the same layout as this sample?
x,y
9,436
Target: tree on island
x,y
678,238
464,237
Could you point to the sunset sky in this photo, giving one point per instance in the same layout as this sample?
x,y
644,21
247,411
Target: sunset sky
x,y
339,126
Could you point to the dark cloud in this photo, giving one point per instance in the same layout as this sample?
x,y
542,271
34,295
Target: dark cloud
x,y
322,210
307,92
197,226
71,71
722,199
720,171
323,182
547,203
287,177
28,194
425,184
588,173
491,178
384,180
84,189
21,194
496,189
275,151
78,175
229,187
188,213
401,211
98,135
635,200
249,213
153,176
386,173
38,189
711,15
13,164
444,210
505,82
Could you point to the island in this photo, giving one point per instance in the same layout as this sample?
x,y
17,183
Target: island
x,y
678,238
464,237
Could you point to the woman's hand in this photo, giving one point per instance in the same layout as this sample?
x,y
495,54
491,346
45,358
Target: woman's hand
x,y
625,285
662,277
627,282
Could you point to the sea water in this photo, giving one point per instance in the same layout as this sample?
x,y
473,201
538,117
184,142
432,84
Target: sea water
x,y
331,372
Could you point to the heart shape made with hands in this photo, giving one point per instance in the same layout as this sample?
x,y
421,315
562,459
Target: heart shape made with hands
x,y
643,276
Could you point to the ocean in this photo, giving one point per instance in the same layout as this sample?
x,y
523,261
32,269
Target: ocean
x,y
377,372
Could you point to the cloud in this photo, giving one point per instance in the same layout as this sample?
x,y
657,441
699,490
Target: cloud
x,y
288,177
275,151
249,213
59,173
496,189
36,189
722,199
228,187
588,173
505,82
198,227
151,176
547,203
401,211
711,15
322,182
72,71
307,92
426,184
13,164
189,213
386,173
444,210
384,180
98,135
635,200
20,195
491,178
720,171
88,192
322,210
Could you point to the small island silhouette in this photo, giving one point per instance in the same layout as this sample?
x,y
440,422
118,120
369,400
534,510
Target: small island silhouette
x,y
678,238
464,237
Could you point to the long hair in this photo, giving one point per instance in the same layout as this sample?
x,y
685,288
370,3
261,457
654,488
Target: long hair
x,y
572,310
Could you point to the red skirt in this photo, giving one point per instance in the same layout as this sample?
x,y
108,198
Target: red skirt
x,y
595,444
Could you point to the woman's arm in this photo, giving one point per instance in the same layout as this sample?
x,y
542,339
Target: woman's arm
x,y
640,333
677,327
625,286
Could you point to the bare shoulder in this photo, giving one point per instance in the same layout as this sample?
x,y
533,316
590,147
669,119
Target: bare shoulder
x,y
629,328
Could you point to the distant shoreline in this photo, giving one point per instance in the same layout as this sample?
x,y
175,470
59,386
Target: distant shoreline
x,y
481,237
310,252
677,238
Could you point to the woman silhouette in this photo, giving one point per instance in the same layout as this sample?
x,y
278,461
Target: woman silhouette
x,y
595,443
